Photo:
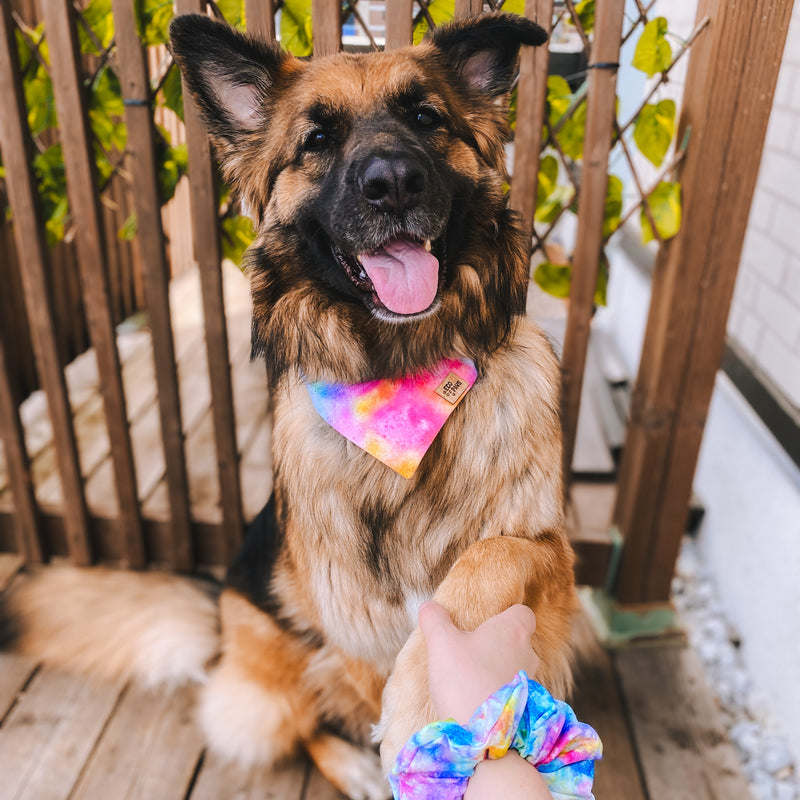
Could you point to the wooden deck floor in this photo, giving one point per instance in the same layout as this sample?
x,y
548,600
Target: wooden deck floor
x,y
64,738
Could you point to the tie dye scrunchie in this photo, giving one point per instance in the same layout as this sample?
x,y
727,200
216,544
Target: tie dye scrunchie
x,y
438,761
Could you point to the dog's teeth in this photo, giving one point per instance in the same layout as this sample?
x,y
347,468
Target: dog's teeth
x,y
427,245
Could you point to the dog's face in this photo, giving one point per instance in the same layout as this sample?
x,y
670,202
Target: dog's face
x,y
376,186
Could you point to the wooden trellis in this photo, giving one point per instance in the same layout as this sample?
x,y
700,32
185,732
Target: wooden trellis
x,y
662,447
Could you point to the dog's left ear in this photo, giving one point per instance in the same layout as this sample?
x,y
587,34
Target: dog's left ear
x,y
229,74
484,50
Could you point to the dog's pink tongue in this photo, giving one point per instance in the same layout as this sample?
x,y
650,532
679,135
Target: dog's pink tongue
x,y
404,274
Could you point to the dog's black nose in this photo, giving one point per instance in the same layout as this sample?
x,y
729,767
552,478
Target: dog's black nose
x,y
392,184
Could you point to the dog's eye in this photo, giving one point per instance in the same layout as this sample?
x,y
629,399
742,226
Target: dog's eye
x,y
427,118
316,140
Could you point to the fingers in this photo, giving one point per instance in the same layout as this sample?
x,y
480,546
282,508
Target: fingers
x,y
434,620
519,615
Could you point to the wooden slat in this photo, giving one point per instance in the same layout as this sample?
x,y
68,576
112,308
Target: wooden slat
x,y
680,739
150,749
326,17
32,250
600,114
208,253
399,23
728,110
17,463
217,780
260,18
465,8
15,672
50,732
597,702
531,96
79,165
141,152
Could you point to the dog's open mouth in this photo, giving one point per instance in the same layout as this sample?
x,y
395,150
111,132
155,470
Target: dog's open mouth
x,y
402,276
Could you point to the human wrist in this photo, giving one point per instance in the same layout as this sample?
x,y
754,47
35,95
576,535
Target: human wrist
x,y
438,761
510,777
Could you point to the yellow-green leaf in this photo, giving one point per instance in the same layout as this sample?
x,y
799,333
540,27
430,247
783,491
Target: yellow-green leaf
x,y
555,279
296,32
613,207
654,129
585,13
441,12
665,207
653,52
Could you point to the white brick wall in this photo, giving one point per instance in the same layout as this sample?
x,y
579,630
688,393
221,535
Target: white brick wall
x,y
765,317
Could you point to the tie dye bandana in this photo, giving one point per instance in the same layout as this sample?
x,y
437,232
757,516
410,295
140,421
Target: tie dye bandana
x,y
438,761
395,420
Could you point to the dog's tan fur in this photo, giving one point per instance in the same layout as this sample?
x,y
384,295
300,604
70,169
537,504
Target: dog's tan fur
x,y
310,637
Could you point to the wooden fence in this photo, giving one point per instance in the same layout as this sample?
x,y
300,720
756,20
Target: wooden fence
x,y
685,331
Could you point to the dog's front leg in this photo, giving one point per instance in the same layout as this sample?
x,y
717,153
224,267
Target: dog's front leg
x,y
490,576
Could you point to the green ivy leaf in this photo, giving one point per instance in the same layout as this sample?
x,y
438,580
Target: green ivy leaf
x,y
129,229
441,11
172,91
99,18
612,211
601,287
551,198
555,279
172,166
665,206
653,52
296,32
237,236
233,11
152,20
654,129
585,12
573,132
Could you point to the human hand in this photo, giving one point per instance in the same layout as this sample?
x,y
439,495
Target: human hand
x,y
465,668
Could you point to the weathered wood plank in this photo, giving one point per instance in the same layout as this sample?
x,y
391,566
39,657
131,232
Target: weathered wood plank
x,y
327,21
399,23
260,18
600,115
318,788
75,134
150,749
465,8
141,152
679,737
728,110
531,96
32,249
50,732
18,466
15,672
597,701
207,251
217,780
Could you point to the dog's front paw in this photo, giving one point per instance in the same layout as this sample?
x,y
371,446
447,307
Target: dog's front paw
x,y
406,700
355,771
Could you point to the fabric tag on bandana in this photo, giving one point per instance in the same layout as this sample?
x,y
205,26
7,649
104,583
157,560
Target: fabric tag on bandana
x,y
395,420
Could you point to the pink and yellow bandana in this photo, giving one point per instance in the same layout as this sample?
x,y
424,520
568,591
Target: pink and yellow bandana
x,y
395,420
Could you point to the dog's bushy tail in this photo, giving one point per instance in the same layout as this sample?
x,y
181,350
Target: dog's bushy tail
x,y
148,627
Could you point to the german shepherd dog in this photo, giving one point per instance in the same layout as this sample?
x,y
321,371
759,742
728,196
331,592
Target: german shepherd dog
x,y
384,246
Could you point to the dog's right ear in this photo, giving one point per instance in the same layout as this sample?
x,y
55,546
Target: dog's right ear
x,y
229,74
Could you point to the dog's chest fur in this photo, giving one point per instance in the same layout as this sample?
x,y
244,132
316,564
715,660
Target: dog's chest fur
x,y
367,544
